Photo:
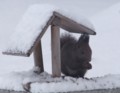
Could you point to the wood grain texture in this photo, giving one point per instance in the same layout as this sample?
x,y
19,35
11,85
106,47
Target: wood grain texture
x,y
116,90
38,58
55,45
70,25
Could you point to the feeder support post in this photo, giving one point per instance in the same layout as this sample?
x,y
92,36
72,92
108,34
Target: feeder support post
x,y
38,58
55,47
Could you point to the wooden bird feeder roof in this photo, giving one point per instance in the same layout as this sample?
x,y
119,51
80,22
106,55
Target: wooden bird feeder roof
x,y
60,21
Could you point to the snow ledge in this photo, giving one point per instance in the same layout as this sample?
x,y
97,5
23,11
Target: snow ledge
x,y
44,82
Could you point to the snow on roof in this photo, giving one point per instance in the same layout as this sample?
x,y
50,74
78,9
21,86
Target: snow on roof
x,y
31,25
45,83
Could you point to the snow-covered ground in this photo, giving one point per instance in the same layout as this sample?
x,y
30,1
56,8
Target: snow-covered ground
x,y
45,83
105,45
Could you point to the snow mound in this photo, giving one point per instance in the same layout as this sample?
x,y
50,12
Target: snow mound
x,y
44,82
32,23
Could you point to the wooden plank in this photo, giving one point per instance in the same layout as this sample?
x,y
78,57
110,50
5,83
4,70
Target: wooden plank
x,y
55,47
116,90
16,54
38,58
11,91
41,34
71,25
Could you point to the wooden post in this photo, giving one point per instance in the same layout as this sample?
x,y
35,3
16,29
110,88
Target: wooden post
x,y
38,59
55,47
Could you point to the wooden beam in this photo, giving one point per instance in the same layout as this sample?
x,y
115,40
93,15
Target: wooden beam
x,y
55,47
41,34
115,90
70,25
38,58
16,54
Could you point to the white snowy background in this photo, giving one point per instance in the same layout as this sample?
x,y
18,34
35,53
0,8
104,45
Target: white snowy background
x,y
105,16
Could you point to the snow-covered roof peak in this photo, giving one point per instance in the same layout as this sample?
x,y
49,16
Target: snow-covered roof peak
x,y
34,23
